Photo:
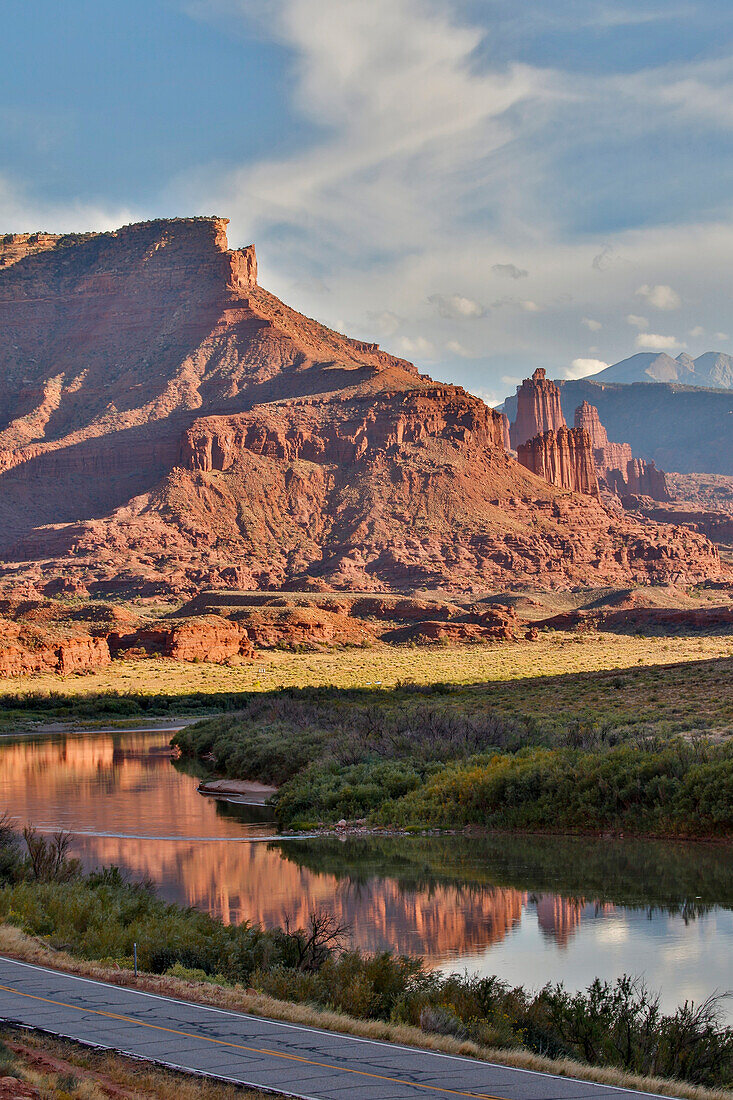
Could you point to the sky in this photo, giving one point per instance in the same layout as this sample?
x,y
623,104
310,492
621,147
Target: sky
x,y
480,186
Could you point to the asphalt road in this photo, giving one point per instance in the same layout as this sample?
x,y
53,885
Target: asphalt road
x,y
287,1058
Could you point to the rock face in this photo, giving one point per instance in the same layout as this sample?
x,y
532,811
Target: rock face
x,y
538,408
617,469
167,425
563,457
212,639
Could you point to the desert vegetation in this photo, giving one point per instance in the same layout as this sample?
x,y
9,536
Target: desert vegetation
x,y
624,750
99,916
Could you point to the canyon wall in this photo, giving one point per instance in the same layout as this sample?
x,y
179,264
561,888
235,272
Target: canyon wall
x,y
166,425
563,457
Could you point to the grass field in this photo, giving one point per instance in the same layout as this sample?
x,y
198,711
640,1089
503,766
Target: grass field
x,y
679,679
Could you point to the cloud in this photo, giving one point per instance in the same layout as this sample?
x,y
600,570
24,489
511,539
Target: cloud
x,y
511,380
509,271
425,152
581,368
385,321
651,341
456,306
721,336
458,349
417,346
698,330
660,296
490,397
594,326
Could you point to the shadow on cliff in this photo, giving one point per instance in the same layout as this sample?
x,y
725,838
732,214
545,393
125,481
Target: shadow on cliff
x,y
84,481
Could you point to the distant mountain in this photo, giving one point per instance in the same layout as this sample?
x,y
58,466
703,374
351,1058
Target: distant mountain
x,y
713,369
681,428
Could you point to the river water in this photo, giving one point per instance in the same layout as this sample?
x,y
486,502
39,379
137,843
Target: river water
x,y
529,909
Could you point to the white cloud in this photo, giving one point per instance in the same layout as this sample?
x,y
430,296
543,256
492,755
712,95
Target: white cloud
x,y
490,397
509,271
511,380
660,296
385,321
457,348
594,326
581,368
721,336
424,160
651,341
417,346
698,330
454,306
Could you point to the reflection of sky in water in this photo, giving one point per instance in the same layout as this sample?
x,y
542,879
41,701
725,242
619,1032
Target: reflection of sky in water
x,y
679,960
120,796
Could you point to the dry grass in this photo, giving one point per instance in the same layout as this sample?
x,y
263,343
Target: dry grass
x,y
63,1070
16,944
552,654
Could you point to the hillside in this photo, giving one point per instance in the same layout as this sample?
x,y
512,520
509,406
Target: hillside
x,y
680,428
167,424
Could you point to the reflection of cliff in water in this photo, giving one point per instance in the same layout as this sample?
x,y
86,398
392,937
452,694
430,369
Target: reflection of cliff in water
x,y
441,897
251,881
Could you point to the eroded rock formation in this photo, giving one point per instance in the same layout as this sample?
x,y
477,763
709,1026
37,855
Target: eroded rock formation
x,y
538,409
167,425
617,469
563,457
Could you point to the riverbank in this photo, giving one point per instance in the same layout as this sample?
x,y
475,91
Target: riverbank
x,y
45,896
624,757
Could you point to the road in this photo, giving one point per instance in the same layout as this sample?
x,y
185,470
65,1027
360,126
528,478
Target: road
x,y
287,1058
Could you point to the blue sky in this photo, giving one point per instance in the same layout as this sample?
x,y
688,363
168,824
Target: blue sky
x,y
481,186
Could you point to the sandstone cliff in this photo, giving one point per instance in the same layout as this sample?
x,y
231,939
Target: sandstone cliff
x,y
166,424
617,469
538,409
563,457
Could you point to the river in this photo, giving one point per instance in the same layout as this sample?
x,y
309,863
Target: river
x,y
529,909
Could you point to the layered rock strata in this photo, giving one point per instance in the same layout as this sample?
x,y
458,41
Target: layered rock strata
x,y
617,469
563,457
538,409
166,425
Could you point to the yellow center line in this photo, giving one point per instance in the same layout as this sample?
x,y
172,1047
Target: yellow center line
x,y
252,1050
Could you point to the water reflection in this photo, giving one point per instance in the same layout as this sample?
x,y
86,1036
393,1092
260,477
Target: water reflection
x,y
530,909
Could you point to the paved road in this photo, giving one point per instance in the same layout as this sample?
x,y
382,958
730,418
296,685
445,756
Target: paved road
x,y
286,1058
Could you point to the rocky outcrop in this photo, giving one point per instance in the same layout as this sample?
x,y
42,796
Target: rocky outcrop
x,y
22,655
351,431
538,409
167,425
563,458
212,639
17,246
491,625
618,471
